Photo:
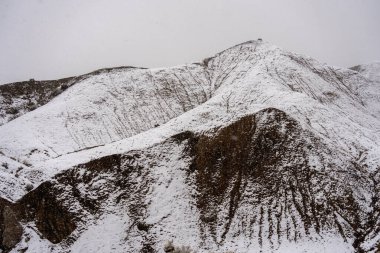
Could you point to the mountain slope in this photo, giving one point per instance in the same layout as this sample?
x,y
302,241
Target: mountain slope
x,y
370,71
19,98
112,106
106,107
259,184
371,89
254,150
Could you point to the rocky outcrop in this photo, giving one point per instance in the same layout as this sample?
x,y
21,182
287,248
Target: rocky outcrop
x,y
10,228
41,207
267,164
51,216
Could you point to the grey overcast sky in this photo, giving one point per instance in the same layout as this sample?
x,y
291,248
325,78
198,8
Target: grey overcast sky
x,y
50,39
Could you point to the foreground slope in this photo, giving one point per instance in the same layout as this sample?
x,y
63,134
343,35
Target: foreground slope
x,y
260,184
99,109
282,154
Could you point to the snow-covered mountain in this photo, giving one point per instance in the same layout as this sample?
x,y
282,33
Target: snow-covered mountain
x,y
371,89
253,150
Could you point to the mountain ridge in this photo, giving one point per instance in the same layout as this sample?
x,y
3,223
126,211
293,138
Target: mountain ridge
x,y
256,144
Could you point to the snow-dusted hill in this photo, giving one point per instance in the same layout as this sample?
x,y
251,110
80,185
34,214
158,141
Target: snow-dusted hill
x,y
253,150
371,89
371,70
104,108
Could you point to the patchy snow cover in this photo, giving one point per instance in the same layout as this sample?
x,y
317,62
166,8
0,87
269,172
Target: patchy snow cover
x,y
118,111
370,70
104,108
370,91
253,77
32,241
16,177
20,98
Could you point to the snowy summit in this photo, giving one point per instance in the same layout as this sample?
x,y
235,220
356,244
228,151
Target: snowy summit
x,y
255,149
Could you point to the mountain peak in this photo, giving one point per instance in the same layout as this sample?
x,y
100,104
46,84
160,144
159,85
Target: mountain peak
x,y
255,150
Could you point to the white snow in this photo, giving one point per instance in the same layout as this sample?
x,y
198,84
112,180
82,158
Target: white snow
x,y
107,235
117,112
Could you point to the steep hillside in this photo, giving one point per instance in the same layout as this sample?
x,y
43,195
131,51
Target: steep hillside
x,y
104,108
371,70
124,102
260,184
371,90
253,150
19,98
